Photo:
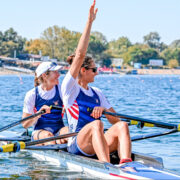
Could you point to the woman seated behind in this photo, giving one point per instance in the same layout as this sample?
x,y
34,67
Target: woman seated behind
x,y
46,92
78,97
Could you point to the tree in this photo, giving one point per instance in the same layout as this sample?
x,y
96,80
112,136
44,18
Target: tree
x,y
175,44
173,63
11,41
119,46
139,54
153,40
97,44
171,53
100,37
35,46
60,42
97,48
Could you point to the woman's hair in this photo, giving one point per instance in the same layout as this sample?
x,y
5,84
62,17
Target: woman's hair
x,y
39,80
86,63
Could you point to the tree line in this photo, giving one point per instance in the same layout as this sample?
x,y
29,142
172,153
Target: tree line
x,y
59,42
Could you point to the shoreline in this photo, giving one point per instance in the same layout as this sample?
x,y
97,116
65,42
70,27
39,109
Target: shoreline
x,y
4,71
158,71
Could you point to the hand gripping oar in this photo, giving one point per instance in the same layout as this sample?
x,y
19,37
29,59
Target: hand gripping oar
x,y
27,118
22,120
17,146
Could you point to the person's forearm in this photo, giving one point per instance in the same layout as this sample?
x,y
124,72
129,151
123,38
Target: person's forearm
x,y
29,123
110,118
81,50
83,43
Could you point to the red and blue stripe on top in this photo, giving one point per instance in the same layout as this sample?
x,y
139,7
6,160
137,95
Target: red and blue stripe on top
x,y
78,114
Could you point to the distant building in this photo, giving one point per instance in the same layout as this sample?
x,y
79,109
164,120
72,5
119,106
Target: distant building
x,y
117,62
29,57
156,62
137,65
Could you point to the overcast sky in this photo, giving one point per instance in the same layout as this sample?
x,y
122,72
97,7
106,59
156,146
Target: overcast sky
x,y
115,18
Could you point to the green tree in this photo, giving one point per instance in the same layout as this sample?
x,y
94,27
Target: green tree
x,y
11,41
97,44
139,54
173,63
119,46
152,40
60,42
171,53
35,46
97,48
175,44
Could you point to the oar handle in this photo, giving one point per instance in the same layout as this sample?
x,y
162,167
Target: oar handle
x,y
15,147
22,120
56,107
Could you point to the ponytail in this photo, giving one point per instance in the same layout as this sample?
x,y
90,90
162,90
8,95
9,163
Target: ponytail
x,y
36,81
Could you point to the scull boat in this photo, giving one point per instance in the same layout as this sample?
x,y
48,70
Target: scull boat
x,y
143,166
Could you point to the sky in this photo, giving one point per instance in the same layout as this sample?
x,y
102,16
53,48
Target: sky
x,y
115,18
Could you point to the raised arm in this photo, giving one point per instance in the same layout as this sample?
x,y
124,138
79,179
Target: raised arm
x,y
83,43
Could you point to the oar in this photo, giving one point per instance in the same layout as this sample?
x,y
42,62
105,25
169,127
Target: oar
x,y
146,122
134,120
48,147
151,135
22,120
15,147
27,118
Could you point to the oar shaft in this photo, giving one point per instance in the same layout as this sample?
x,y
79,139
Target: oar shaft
x,y
157,134
15,147
150,122
51,139
22,120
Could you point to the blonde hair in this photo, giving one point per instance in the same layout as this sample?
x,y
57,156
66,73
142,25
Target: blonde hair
x,y
39,80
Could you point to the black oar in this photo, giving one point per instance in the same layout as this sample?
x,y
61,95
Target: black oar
x,y
22,120
146,122
15,147
151,135
48,147
134,138
19,138
27,118
135,120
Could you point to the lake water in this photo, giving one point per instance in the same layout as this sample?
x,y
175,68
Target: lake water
x,y
154,97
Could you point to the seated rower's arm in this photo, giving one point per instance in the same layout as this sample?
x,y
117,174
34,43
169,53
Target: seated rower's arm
x,y
112,119
33,121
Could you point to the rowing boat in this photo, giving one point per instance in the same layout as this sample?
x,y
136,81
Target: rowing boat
x,y
143,166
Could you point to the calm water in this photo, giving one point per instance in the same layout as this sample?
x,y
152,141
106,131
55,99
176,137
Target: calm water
x,y
150,97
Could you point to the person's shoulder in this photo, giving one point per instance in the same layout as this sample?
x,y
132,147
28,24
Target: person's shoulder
x,y
31,93
59,87
96,89
69,76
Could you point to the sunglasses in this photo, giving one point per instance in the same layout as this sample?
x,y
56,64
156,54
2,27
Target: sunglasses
x,y
94,69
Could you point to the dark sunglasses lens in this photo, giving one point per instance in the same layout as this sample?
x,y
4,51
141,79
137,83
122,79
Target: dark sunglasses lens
x,y
94,69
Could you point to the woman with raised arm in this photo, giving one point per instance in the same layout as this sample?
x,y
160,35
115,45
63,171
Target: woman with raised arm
x,y
78,97
47,92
